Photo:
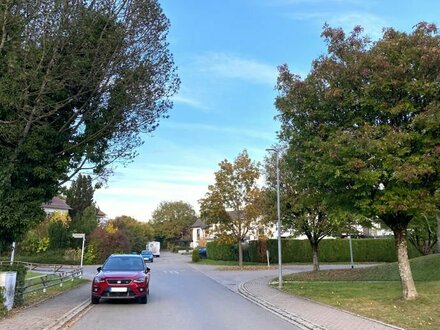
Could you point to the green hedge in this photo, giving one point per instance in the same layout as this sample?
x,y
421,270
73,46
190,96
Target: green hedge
x,y
330,250
227,252
21,275
195,255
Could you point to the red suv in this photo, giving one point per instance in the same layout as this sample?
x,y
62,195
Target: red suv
x,y
123,276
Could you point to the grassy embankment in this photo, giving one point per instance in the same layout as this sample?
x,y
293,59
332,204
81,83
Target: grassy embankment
x,y
375,292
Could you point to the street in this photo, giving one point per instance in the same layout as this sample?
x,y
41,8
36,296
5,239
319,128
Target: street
x,y
181,297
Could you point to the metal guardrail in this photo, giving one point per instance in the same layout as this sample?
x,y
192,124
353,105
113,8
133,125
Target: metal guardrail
x,y
52,275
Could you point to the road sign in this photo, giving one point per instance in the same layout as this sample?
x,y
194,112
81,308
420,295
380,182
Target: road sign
x,y
75,235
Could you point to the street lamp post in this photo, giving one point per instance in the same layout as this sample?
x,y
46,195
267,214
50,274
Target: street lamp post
x,y
280,267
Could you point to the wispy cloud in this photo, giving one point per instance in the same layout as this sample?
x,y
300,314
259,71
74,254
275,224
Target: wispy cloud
x,y
371,24
236,67
238,131
192,102
149,185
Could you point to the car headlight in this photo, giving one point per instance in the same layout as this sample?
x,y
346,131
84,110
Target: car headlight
x,y
98,280
139,280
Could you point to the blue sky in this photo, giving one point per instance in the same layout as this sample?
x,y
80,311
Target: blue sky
x,y
227,53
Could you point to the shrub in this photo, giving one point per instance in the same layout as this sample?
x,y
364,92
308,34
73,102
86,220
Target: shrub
x,y
90,255
226,252
19,284
3,310
331,250
195,255
48,257
72,254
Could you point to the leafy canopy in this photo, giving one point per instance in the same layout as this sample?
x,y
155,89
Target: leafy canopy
x,y
80,81
172,220
363,126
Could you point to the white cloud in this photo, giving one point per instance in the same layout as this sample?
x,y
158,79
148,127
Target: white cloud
x,y
234,67
139,194
240,131
192,102
371,24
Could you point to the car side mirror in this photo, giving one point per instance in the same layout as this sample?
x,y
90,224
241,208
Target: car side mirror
x,y
99,269
147,270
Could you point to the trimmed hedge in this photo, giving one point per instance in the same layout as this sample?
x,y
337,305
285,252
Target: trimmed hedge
x,y
195,255
227,252
330,250
19,284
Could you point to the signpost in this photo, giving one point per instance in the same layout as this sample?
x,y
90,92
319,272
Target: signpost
x,y
83,236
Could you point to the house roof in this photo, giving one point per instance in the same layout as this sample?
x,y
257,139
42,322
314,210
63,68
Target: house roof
x,y
56,203
199,224
100,213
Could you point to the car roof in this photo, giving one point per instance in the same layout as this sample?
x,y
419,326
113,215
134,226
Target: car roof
x,y
125,255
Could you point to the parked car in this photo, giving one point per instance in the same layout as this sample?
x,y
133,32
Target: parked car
x,y
202,252
123,276
147,255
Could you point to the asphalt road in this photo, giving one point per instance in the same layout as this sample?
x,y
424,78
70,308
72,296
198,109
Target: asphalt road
x,y
181,297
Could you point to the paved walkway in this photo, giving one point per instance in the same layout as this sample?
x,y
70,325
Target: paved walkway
x,y
252,285
304,313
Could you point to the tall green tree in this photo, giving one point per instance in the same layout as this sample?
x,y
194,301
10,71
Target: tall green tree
x,y
80,194
58,232
85,222
233,201
79,82
364,126
138,233
172,220
303,211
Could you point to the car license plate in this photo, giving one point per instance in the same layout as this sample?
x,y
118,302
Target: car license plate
x,y
113,289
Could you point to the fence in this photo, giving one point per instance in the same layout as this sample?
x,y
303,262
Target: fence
x,y
52,275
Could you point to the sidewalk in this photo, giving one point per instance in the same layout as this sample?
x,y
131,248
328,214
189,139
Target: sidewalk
x,y
304,313
50,313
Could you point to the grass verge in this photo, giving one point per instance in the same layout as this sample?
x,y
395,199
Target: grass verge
x,y
375,292
36,297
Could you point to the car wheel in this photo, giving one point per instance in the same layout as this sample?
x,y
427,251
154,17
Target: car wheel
x,y
143,300
95,300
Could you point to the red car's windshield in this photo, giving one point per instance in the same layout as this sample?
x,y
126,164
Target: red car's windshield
x,y
124,264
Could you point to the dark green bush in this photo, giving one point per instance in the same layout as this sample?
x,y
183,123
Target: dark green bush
x,y
48,257
21,275
195,255
330,250
226,252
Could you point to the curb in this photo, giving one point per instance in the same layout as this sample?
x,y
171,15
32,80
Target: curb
x,y
289,317
70,315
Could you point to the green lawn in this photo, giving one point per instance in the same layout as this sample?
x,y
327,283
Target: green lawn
x,y
36,297
30,274
375,292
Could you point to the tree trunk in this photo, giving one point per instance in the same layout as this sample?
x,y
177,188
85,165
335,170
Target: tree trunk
x,y
240,254
438,235
406,279
315,251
